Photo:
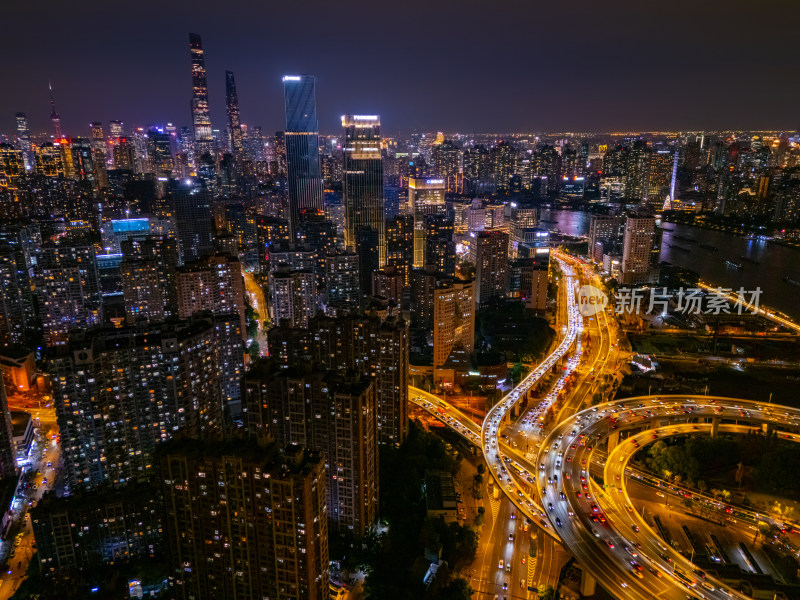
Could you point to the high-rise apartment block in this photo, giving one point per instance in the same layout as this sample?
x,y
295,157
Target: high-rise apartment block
x,y
244,521
453,318
293,295
637,253
212,283
120,392
489,253
68,286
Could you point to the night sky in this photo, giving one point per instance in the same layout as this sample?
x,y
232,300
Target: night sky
x,y
428,65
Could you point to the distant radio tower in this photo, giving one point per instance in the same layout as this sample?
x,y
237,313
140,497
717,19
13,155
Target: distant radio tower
x,y
54,118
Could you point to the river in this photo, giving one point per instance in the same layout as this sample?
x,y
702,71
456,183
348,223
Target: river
x,y
774,262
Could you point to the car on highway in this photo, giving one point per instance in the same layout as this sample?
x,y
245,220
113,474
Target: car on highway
x,y
500,564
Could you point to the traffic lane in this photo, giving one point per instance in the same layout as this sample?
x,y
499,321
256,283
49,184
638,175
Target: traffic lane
x,y
579,532
681,428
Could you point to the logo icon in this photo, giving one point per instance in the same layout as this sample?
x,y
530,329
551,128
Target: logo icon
x,y
591,300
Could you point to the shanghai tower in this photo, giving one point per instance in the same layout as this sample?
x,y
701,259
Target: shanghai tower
x,y
201,117
302,147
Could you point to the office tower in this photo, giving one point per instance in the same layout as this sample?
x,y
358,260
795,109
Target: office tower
x,y
116,129
244,521
293,295
8,463
400,245
440,249
425,197
118,392
528,273
446,162
212,283
453,318
18,249
124,154
640,235
302,148
234,119
489,254
367,242
201,116
83,161
159,151
605,236
55,119
362,184
191,202
68,287
392,203
24,136
522,220
106,525
98,139
342,283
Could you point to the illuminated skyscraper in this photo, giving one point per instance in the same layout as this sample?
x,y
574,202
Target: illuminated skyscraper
x,y
489,253
201,116
425,197
302,148
193,221
115,129
159,150
55,119
234,121
453,318
24,135
638,244
400,245
363,180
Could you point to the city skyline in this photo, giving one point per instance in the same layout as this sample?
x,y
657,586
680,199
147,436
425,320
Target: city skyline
x,y
584,75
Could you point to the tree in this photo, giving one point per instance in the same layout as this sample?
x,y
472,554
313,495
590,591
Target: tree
x,y
546,592
254,350
478,479
702,486
481,468
457,589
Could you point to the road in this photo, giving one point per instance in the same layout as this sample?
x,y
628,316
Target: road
x,y
255,295
597,523
46,452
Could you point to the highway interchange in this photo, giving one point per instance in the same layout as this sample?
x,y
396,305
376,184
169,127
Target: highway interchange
x,y
556,487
